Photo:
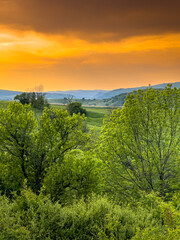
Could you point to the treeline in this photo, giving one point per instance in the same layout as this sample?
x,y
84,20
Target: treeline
x,y
58,180
36,99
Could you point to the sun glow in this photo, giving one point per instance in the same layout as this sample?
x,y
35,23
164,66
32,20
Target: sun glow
x,y
23,53
18,47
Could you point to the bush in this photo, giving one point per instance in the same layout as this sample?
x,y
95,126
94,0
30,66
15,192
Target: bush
x,y
75,107
37,99
32,217
10,225
76,176
157,234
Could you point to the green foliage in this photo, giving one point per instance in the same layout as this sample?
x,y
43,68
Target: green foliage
x,y
11,226
95,115
157,234
35,217
75,107
3,104
17,128
37,99
24,98
11,176
176,200
76,176
165,212
31,148
99,218
140,143
52,158
61,132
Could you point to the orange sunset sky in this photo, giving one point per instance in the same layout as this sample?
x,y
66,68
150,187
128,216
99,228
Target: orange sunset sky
x,y
88,44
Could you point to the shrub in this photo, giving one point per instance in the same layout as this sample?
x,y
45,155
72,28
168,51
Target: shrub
x,y
36,217
75,107
76,176
10,225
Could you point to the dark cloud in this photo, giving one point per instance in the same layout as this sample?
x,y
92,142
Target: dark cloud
x,y
93,17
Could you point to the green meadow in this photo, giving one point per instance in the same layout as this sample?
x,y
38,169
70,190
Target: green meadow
x,y
95,115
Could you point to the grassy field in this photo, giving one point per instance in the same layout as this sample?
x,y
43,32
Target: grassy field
x,y
95,115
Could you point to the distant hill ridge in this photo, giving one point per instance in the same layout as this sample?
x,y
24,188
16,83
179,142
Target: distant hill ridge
x,y
87,94
115,92
8,95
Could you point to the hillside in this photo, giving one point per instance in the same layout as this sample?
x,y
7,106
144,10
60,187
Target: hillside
x,y
87,94
116,101
8,95
126,90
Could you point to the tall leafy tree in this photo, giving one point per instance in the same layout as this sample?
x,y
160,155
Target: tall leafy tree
x,y
33,147
61,132
140,143
58,134
17,127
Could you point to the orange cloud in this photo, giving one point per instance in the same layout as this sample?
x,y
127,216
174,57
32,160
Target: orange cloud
x,y
24,53
32,47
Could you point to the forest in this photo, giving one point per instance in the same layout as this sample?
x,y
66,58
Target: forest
x,y
61,179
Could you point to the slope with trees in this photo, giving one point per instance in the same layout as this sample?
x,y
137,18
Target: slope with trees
x,y
58,181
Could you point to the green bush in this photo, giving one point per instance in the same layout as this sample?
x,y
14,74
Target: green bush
x,y
76,176
157,234
10,222
36,217
75,107
11,178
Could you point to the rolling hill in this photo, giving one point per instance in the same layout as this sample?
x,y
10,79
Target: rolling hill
x,y
87,94
126,90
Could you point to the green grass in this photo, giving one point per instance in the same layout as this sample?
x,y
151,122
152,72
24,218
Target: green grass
x,y
95,115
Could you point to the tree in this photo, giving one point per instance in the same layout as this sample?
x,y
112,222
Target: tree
x,y
76,176
23,98
75,107
17,129
37,99
140,143
58,134
33,147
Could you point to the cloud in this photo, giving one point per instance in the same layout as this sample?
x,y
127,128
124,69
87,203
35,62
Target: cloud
x,y
93,19
19,46
65,44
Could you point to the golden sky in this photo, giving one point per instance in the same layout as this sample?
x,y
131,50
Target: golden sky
x,y
82,44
